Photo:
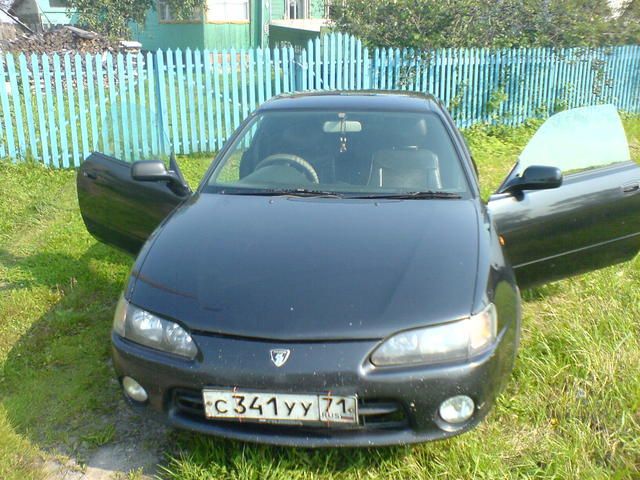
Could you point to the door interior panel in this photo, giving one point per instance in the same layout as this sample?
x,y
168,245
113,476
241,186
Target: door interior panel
x,y
591,221
116,209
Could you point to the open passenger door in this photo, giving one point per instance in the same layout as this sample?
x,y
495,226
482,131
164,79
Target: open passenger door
x,y
592,220
119,210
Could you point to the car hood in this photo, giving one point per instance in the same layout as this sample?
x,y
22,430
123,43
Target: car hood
x,y
311,268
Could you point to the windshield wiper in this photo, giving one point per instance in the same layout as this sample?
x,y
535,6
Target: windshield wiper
x,y
413,195
289,192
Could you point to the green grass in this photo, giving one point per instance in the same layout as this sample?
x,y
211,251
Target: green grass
x,y
571,408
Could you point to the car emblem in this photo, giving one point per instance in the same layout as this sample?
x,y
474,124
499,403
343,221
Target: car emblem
x,y
279,356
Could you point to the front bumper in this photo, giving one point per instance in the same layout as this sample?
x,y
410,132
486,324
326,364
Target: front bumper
x,y
396,405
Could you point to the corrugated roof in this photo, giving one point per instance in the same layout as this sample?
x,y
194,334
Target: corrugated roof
x,y
8,18
5,17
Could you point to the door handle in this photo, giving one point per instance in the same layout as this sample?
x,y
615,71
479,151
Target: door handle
x,y
631,188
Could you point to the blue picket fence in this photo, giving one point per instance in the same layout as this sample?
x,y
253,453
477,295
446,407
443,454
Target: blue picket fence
x,y
57,109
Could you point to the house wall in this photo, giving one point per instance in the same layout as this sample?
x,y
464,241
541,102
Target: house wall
x,y
227,35
234,33
52,16
278,7
288,34
280,34
154,35
212,35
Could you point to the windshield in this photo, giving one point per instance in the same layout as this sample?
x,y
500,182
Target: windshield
x,y
331,152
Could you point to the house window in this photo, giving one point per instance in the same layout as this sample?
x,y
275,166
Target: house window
x,y
297,9
165,14
228,11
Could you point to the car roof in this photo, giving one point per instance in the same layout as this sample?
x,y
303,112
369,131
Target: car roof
x,y
379,100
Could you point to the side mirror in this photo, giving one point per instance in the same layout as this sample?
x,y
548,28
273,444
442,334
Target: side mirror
x,y
535,177
155,171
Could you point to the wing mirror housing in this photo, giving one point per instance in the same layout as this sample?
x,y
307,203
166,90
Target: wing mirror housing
x,y
535,177
155,171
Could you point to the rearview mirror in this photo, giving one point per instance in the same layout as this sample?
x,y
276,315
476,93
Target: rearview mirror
x,y
155,171
342,126
535,177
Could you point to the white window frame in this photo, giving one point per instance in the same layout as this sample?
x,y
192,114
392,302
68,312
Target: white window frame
x,y
223,11
306,9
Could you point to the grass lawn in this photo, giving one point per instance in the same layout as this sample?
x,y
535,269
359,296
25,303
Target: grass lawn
x,y
571,409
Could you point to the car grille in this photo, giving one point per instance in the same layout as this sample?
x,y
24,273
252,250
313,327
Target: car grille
x,y
373,413
381,414
189,402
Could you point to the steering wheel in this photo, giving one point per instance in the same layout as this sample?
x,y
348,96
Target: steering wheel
x,y
295,161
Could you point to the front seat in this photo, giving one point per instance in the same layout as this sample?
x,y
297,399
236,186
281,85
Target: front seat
x,y
409,168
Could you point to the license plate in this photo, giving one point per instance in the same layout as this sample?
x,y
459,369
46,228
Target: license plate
x,y
280,407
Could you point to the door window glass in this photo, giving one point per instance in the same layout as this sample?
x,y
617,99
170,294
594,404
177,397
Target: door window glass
x,y
577,140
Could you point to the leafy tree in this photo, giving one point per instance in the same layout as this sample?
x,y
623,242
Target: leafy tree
x,y
632,9
112,17
492,23
629,22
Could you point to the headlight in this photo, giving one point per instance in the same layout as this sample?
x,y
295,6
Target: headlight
x,y
457,340
145,328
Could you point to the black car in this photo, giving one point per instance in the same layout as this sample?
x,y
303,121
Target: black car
x,y
336,278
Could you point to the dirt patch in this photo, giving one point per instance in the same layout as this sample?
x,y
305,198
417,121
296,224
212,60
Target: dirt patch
x,y
136,448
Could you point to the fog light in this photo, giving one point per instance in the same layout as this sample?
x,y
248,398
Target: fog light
x,y
457,409
134,390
